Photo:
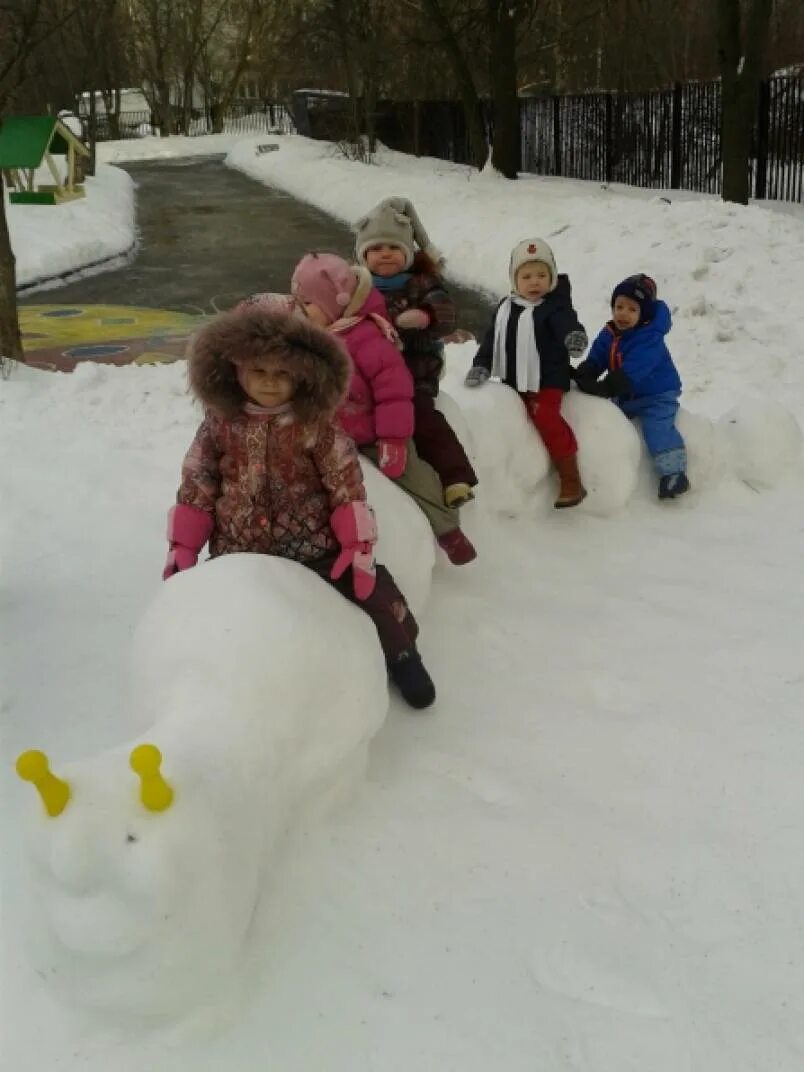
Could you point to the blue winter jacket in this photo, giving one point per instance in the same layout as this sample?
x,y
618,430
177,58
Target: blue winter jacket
x,y
640,352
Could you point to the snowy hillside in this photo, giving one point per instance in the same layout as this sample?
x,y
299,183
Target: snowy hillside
x,y
585,859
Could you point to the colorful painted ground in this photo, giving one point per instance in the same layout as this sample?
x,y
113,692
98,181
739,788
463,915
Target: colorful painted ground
x,y
58,337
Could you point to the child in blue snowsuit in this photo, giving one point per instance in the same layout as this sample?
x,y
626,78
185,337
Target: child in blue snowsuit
x,y
640,376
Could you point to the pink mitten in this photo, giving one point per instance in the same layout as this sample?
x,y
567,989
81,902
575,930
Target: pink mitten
x,y
356,531
188,530
413,319
392,457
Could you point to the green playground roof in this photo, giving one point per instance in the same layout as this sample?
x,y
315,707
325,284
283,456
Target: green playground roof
x,y
24,140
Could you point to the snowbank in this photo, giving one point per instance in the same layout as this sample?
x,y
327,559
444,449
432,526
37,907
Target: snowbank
x,y
52,240
174,147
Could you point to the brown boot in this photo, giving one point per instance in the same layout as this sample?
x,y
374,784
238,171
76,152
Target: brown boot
x,y
572,490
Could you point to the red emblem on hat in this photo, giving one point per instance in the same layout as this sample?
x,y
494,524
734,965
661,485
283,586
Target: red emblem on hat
x,y
532,248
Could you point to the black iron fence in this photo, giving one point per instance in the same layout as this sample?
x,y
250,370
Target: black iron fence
x,y
244,117
664,139
660,139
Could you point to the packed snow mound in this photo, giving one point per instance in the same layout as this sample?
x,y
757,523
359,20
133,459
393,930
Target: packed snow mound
x,y
262,687
405,546
510,459
758,442
763,441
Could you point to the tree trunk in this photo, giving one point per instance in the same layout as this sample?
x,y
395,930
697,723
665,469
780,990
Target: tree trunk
x,y
165,110
114,115
10,342
216,117
92,130
478,146
741,52
507,146
736,127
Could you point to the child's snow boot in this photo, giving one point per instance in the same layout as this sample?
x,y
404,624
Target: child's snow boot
x,y
571,492
457,548
456,495
673,485
410,677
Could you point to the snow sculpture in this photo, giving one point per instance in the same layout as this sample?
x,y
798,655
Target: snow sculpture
x,y
261,687
763,441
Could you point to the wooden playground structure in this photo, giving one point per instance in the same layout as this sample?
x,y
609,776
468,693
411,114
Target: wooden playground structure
x,y
28,142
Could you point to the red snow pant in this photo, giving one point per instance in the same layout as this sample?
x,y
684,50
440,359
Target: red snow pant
x,y
544,410
437,444
396,627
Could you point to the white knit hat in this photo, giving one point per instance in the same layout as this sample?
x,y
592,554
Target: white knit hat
x,y
532,249
394,222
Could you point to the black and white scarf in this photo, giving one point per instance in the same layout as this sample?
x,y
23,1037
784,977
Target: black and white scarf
x,y
528,363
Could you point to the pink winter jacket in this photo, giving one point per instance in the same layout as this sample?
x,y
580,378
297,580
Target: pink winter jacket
x,y
379,404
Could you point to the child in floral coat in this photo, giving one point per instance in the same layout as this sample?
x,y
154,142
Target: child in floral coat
x,y
423,313
270,471
378,413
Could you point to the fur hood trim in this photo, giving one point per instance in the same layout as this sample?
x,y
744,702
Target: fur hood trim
x,y
317,361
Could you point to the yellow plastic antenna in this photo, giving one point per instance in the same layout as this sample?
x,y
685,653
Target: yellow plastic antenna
x,y
155,793
33,767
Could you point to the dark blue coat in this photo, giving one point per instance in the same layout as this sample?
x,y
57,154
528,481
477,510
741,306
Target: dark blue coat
x,y
640,352
553,320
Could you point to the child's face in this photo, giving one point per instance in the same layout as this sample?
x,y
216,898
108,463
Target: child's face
x,y
317,315
533,280
625,313
266,384
385,260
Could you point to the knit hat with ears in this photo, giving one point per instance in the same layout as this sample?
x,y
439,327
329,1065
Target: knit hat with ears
x,y
532,249
641,289
394,222
325,280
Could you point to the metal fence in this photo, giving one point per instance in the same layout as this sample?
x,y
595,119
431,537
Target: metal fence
x,y
241,118
663,139
660,139
668,138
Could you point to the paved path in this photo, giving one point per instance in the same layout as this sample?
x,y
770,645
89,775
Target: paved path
x,y
209,236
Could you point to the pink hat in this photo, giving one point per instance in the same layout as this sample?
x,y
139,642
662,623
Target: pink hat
x,y
325,280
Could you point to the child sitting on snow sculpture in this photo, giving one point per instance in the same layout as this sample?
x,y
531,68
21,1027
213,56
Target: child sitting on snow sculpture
x,y
423,313
640,376
270,471
528,346
378,413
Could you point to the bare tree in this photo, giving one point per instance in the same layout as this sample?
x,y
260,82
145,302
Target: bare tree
x,y
227,54
464,78
742,44
25,25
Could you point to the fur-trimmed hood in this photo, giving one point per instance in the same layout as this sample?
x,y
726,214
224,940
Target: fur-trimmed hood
x,y
318,362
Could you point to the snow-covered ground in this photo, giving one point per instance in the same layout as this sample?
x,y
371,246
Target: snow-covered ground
x,y
156,148
586,858
51,240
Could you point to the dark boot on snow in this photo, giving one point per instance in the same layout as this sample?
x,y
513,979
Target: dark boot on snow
x,y
409,675
457,548
672,486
